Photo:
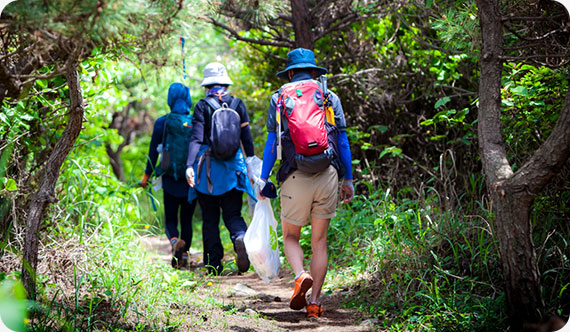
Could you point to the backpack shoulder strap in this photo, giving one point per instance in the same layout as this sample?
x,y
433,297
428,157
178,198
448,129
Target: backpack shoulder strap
x,y
164,130
235,102
213,103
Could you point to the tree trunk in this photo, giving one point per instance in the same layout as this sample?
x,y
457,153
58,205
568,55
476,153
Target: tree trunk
x,y
46,192
302,24
518,256
116,162
128,127
513,193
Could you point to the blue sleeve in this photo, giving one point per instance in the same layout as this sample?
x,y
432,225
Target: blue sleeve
x,y
269,155
155,140
345,158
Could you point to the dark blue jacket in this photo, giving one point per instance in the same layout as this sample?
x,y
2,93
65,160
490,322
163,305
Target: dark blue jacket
x,y
179,101
225,175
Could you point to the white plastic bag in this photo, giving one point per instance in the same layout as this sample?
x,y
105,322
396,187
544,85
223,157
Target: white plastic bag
x,y
261,242
254,165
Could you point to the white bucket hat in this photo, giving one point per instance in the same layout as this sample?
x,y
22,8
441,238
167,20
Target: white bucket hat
x,y
215,73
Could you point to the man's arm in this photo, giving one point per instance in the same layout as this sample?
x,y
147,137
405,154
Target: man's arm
x,y
347,189
269,155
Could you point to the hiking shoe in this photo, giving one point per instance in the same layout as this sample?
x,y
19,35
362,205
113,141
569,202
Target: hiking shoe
x,y
242,260
314,310
302,285
185,261
177,250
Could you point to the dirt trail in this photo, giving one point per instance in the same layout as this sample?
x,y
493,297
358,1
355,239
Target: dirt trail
x,y
270,301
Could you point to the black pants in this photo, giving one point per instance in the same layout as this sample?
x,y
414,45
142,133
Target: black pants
x,y
172,206
230,205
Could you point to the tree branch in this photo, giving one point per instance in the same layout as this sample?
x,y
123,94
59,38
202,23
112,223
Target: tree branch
x,y
237,36
549,158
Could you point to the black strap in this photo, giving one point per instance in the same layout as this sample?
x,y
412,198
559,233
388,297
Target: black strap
x,y
234,104
205,157
164,132
213,104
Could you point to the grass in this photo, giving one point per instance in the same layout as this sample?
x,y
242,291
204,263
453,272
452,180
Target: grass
x,y
415,267
94,273
405,262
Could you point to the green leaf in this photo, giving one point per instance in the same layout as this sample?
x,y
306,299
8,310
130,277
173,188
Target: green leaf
x,y
11,185
436,138
442,102
42,83
507,103
521,91
12,306
380,128
26,117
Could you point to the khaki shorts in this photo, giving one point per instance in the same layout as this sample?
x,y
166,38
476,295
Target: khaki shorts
x,y
305,195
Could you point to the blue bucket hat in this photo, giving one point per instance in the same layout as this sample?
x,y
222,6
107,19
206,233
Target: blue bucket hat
x,y
301,58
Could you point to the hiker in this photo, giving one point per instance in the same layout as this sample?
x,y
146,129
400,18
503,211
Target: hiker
x,y
216,166
309,178
170,137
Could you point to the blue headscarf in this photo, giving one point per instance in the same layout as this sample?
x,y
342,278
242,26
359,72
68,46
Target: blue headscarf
x,y
179,98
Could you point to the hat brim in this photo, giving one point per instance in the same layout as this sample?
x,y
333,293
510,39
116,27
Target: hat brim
x,y
216,80
283,74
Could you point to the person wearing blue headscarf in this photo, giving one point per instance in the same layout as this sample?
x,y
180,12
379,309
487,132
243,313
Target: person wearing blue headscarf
x,y
177,208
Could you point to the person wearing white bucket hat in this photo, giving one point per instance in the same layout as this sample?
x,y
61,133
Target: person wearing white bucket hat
x,y
216,168
215,73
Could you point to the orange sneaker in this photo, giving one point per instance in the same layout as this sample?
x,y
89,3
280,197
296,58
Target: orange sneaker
x,y
302,285
314,310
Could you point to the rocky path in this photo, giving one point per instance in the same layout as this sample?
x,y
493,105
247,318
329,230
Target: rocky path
x,y
268,303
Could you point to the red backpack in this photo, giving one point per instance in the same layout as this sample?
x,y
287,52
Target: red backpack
x,y
298,102
306,144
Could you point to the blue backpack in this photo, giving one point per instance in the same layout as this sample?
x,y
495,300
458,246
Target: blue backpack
x,y
175,141
225,128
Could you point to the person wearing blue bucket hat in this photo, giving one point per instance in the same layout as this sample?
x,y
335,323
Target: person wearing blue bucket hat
x,y
308,190
301,58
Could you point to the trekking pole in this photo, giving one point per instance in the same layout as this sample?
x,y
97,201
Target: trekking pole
x,y
324,84
278,132
183,56
151,196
